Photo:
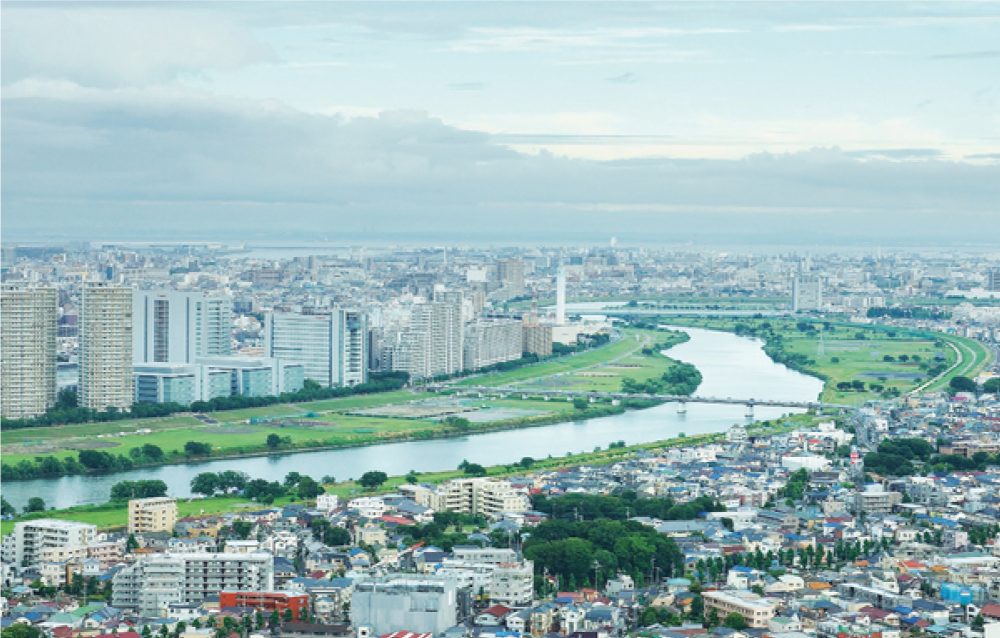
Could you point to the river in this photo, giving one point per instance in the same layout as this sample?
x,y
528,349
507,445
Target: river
x,y
731,366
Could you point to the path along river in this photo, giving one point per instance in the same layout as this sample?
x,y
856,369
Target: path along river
x,y
731,366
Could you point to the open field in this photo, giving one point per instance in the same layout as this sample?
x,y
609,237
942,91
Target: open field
x,y
716,303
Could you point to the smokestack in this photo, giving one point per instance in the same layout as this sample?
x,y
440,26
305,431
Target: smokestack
x,y
561,296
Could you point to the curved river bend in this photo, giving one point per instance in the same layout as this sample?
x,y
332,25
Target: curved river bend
x,y
731,366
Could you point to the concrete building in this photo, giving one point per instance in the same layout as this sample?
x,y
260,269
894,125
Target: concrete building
x,y
179,327
513,584
149,515
875,499
30,538
756,612
432,344
27,350
151,584
478,496
561,296
807,293
420,605
332,347
536,339
212,377
510,272
492,341
106,347
268,601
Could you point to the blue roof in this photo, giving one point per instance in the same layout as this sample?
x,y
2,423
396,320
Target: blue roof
x,y
740,568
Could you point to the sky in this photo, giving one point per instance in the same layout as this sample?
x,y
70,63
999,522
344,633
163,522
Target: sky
x,y
779,123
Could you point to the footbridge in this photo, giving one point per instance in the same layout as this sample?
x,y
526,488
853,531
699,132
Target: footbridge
x,y
680,400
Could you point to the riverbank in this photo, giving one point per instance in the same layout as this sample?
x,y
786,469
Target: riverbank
x,y
334,423
114,516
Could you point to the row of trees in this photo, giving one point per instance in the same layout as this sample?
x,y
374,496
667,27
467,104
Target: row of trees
x,y
230,481
618,508
66,411
897,457
682,379
138,489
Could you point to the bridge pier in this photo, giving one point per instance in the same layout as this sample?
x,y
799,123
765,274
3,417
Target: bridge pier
x,y
749,410
682,407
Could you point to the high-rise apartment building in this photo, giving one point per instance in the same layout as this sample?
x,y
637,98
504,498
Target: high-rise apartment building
x,y
510,272
432,345
332,346
106,347
536,339
30,538
993,281
178,327
27,350
491,341
807,293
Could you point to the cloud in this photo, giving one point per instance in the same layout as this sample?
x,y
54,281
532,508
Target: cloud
x,y
159,161
468,86
130,46
624,78
898,153
972,55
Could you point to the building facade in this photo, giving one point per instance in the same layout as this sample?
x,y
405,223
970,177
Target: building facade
x,y
150,515
754,610
106,347
27,350
268,601
30,538
332,347
510,272
178,327
536,339
492,341
419,605
807,293
151,584
432,344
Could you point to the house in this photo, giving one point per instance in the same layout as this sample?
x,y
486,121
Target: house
x,y
492,616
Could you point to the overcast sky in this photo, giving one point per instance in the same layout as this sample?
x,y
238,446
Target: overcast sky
x,y
773,123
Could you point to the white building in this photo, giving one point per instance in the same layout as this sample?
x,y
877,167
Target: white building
x,y
807,293
179,327
808,461
211,377
478,496
152,584
491,341
327,502
432,344
367,506
27,350
29,539
513,584
106,347
332,346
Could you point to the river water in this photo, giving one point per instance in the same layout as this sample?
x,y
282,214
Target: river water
x,y
731,366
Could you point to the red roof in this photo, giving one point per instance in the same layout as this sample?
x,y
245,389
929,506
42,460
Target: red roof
x,y
405,634
497,610
64,631
991,610
121,634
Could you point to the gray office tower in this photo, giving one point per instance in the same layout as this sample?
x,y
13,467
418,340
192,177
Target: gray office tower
x,y
332,346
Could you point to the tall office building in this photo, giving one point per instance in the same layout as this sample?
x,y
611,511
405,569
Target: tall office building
x,y
106,347
332,347
27,350
178,327
510,272
807,293
993,281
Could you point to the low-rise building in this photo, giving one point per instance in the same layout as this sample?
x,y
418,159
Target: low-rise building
x,y
150,515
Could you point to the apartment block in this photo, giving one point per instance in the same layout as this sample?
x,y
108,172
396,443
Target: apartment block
x,y
106,347
419,605
152,584
492,341
479,496
150,515
432,344
536,339
756,612
30,538
331,346
513,584
807,293
28,350
267,601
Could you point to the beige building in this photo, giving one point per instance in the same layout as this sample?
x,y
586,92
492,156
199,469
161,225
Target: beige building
x,y
510,272
106,347
491,341
756,612
149,515
536,339
470,496
28,350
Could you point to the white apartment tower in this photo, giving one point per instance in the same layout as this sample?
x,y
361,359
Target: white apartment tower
x,y
25,545
106,347
807,293
178,327
433,343
27,350
332,346
510,272
491,341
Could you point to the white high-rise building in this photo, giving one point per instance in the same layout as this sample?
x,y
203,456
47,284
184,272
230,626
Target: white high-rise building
x,y
492,341
106,347
332,347
561,296
510,272
432,345
807,293
178,327
25,545
27,350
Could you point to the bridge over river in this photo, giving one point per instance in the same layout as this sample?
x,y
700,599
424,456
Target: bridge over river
x,y
681,400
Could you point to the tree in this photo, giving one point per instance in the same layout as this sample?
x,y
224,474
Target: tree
x,y
697,609
712,619
373,479
289,615
977,623
412,478
962,384
292,479
273,441
6,509
475,469
131,544
526,462
242,529
992,386
308,488
152,452
206,483
735,621
581,403
35,504
196,448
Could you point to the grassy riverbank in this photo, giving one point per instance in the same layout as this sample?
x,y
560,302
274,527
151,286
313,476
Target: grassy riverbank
x,y
112,516
888,361
343,422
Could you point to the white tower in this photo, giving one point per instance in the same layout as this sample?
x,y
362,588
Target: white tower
x,y
561,296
